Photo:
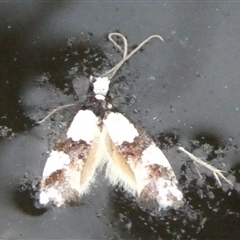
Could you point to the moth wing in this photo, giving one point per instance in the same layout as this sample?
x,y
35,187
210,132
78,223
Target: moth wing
x,y
70,167
136,163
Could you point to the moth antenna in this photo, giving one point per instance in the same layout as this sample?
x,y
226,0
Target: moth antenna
x,y
125,43
216,172
126,56
114,70
199,174
54,111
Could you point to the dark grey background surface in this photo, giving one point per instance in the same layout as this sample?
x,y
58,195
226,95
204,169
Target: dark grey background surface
x,y
184,89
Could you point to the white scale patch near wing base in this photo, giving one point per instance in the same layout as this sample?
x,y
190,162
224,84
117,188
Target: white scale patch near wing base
x,y
119,128
83,126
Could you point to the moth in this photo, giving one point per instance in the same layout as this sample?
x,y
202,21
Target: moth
x,y
100,136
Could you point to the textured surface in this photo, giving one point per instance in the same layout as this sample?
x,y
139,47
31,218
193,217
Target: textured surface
x,y
186,91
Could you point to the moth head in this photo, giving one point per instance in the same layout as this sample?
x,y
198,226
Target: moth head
x,y
100,86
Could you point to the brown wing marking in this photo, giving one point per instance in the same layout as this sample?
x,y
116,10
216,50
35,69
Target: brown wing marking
x,y
72,180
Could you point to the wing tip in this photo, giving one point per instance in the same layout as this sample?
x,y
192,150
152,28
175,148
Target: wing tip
x,y
165,196
58,188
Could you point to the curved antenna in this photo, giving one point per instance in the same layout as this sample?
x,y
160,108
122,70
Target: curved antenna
x,y
126,56
110,74
55,110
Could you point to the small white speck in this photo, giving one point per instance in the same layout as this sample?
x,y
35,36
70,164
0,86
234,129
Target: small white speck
x,y
129,226
182,42
152,78
99,97
226,87
237,108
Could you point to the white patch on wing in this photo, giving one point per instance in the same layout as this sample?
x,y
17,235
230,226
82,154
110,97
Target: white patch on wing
x,y
165,181
101,86
83,126
57,160
62,186
168,194
153,155
50,194
119,128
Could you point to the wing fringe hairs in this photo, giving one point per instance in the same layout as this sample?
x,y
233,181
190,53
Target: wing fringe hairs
x,y
98,136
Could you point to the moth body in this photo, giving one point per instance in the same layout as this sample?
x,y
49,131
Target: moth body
x,y
98,136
